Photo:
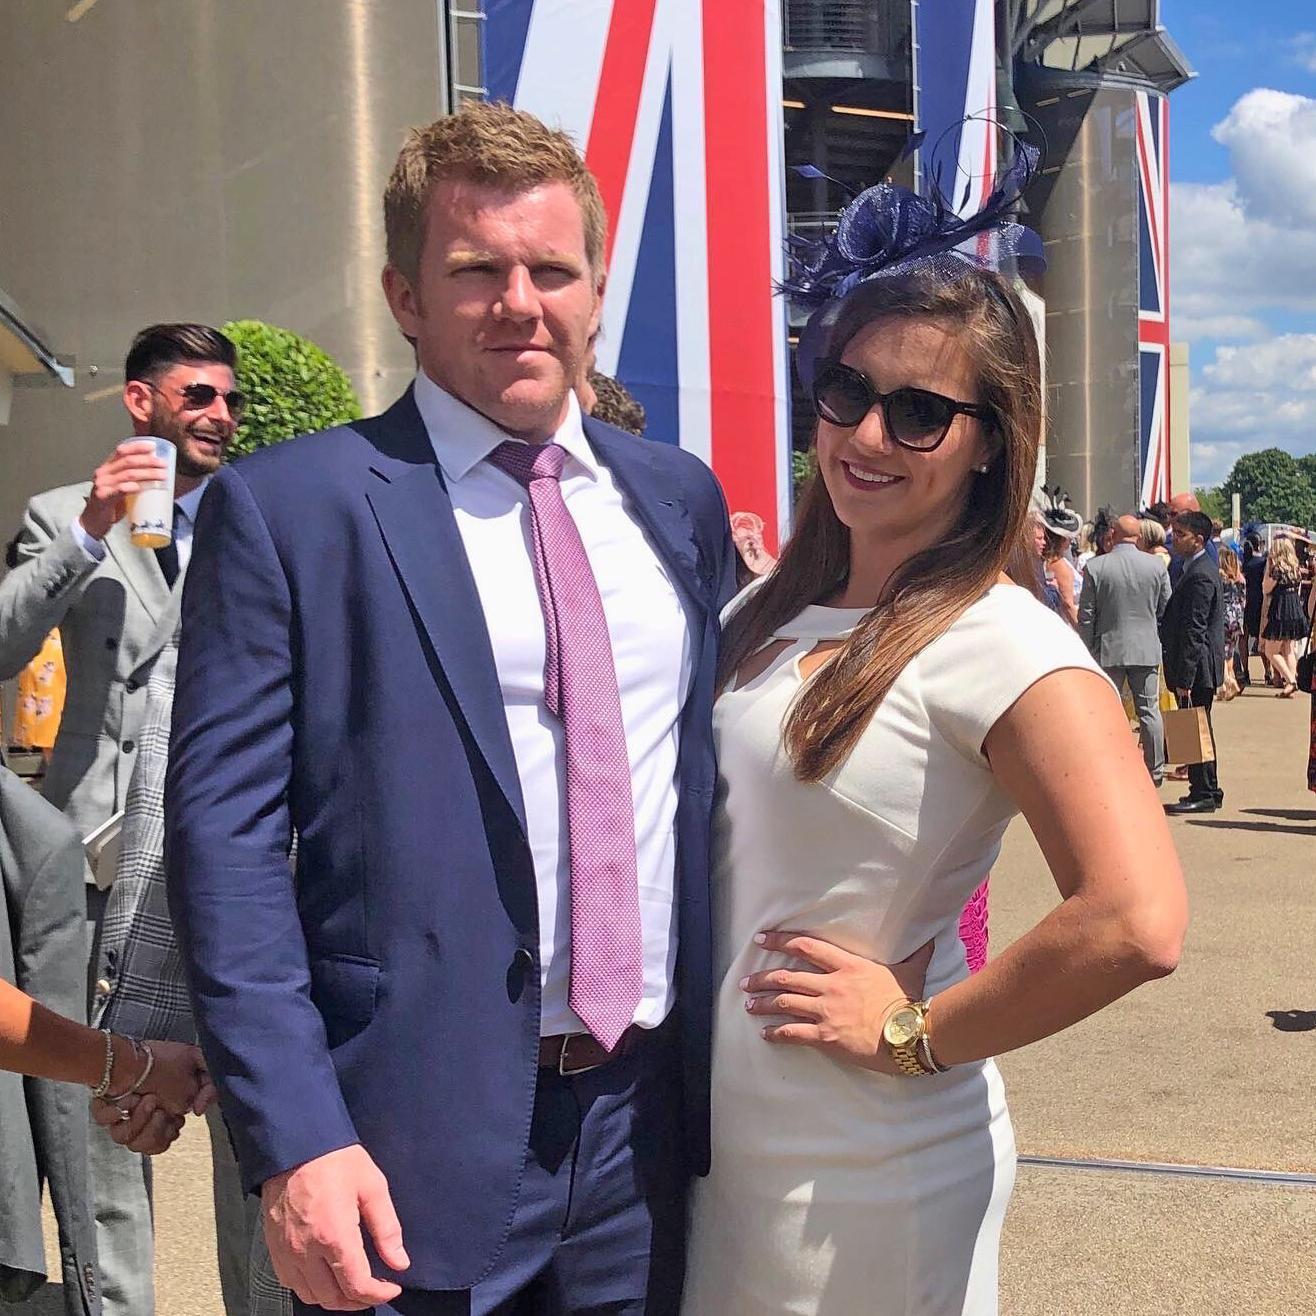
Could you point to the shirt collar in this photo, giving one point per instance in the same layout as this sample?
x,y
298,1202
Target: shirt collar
x,y
1201,552
462,438
188,503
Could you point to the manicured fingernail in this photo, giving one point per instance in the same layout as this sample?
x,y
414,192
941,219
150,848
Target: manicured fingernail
x,y
749,1003
761,938
744,984
763,1033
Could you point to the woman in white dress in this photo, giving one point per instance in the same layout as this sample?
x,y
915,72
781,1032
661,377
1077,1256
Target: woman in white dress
x,y
889,702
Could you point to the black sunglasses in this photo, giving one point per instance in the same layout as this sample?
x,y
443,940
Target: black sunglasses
x,y
197,397
915,418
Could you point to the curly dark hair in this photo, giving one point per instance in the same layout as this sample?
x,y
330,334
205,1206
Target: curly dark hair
x,y
615,405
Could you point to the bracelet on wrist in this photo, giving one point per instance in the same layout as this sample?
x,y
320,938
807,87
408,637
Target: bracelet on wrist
x,y
143,1076
103,1086
926,1055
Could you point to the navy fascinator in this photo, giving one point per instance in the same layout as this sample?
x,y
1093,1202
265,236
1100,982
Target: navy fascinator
x,y
888,230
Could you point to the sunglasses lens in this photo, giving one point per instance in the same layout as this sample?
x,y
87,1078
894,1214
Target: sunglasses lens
x,y
918,418
200,395
841,397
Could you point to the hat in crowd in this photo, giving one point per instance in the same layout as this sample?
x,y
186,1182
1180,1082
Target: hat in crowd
x,y
889,230
1057,515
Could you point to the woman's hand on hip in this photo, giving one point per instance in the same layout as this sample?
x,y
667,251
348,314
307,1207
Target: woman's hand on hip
x,y
840,1004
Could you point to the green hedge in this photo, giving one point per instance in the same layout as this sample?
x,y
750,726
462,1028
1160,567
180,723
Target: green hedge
x,y
292,386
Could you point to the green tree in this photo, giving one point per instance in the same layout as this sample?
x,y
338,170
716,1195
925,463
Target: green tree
x,y
292,386
1307,465
1272,487
1214,503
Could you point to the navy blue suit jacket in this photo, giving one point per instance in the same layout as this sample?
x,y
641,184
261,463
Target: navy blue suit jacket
x,y
335,676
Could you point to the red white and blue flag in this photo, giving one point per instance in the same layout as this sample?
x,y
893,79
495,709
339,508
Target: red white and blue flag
x,y
955,100
1152,140
676,105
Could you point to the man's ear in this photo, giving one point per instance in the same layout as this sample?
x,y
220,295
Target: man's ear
x,y
402,301
139,400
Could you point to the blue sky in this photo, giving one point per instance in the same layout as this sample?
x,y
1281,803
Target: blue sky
x,y
1243,225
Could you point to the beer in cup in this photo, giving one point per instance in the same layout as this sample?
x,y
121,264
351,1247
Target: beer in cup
x,y
151,511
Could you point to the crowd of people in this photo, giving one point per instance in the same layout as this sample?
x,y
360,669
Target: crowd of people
x,y
1173,613
481,833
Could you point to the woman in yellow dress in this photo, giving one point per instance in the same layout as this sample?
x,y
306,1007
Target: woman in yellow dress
x,y
41,687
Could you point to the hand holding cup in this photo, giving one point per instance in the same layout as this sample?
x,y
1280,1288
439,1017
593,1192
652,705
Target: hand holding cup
x,y
132,467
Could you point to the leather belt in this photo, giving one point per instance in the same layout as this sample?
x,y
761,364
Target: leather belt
x,y
578,1053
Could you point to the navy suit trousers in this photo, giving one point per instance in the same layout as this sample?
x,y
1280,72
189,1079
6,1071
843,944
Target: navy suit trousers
x,y
599,1226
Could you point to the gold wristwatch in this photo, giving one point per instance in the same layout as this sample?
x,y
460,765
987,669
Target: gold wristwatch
x,y
905,1033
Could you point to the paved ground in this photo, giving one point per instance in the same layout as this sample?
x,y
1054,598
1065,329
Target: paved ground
x,y
1216,1065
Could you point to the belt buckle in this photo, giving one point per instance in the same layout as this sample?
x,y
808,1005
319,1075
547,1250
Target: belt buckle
x,y
562,1069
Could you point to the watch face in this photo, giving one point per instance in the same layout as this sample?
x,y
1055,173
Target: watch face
x,y
902,1027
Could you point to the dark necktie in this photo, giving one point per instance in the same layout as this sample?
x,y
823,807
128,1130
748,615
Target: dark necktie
x,y
168,555
580,688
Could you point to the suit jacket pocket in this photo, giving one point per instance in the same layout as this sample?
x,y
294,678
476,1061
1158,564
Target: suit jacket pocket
x,y
344,988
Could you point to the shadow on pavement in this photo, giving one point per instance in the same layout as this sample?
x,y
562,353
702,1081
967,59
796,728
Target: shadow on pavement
x,y
47,1301
1272,829
1293,815
1293,1021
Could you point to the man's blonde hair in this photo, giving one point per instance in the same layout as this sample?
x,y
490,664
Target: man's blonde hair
x,y
485,142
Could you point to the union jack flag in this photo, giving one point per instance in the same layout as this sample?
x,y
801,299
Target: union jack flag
x,y
676,105
955,77
1152,138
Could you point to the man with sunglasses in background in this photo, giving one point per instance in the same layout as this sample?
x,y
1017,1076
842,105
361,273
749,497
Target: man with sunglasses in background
x,y
116,607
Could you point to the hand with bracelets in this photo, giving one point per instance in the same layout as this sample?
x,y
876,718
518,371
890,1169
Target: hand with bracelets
x,y
147,1090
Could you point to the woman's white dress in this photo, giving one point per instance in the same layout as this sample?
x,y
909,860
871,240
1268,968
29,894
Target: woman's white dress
x,y
836,1191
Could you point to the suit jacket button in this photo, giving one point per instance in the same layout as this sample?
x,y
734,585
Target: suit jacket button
x,y
129,746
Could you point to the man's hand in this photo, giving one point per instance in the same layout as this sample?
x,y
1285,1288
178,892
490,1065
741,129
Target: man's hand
x,y
128,469
139,1123
1185,695
313,1221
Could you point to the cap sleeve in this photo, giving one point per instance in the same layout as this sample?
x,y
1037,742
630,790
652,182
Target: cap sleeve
x,y
1001,647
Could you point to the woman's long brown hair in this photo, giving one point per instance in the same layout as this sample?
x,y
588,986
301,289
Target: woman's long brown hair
x,y
929,592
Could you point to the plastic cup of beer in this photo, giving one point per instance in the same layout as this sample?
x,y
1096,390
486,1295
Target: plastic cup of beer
x,y
151,510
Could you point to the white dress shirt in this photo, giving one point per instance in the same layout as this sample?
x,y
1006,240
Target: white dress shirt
x,y
184,524
651,651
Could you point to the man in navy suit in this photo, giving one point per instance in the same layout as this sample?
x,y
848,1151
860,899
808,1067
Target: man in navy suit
x,y
463,1049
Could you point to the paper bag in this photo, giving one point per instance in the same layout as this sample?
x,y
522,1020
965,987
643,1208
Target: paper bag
x,y
1188,736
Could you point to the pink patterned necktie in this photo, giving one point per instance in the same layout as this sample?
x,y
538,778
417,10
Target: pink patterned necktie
x,y
580,688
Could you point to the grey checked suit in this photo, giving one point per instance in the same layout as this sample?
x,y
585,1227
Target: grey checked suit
x,y
1125,593
144,990
114,617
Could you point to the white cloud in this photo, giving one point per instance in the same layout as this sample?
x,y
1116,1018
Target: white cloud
x,y
1304,50
1271,136
1243,251
1248,245
1259,395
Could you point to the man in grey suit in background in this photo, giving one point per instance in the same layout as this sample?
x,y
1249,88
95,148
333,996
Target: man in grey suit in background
x,y
1125,591
116,607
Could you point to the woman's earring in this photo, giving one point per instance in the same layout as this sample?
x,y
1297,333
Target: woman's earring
x,y
982,470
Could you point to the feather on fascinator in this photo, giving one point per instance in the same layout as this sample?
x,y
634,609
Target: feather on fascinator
x,y
1057,515
888,230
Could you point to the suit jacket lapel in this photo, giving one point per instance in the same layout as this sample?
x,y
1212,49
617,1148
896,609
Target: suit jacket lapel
x,y
139,569
661,509
414,514
165,626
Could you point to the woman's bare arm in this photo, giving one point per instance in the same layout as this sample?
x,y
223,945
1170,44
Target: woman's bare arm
x,y
1065,755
